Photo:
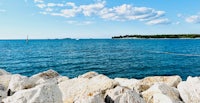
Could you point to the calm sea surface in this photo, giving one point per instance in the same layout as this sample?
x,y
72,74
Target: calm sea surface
x,y
136,58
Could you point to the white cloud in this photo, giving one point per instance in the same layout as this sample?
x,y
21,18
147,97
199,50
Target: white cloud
x,y
41,6
90,9
193,19
124,12
129,12
54,4
38,1
158,21
71,4
48,9
79,22
69,12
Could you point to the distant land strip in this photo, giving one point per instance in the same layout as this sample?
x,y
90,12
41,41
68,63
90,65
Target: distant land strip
x,y
157,36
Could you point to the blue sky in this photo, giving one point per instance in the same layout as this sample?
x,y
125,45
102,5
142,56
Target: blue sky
x,y
96,18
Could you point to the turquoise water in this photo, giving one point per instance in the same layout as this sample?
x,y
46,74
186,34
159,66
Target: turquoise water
x,y
136,58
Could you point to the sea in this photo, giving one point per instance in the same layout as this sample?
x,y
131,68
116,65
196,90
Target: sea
x,y
125,58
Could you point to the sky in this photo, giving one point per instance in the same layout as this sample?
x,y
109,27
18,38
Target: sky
x,y
48,19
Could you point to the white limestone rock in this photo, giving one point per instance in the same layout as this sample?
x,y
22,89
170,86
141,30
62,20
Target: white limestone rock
x,y
44,93
129,83
5,80
122,95
90,98
161,93
190,90
89,75
19,82
46,76
80,87
62,79
147,82
3,93
3,72
161,98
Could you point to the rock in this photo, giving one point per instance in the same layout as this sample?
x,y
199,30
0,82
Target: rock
x,y
44,93
161,93
147,82
122,95
19,82
80,87
190,90
62,79
161,98
129,83
88,75
2,93
44,77
91,98
47,74
4,80
3,72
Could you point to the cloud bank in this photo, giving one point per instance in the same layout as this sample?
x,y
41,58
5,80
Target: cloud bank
x,y
193,19
124,12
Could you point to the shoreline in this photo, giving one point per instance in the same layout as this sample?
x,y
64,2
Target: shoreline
x,y
91,87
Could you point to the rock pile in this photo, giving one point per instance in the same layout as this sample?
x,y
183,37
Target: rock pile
x,y
91,87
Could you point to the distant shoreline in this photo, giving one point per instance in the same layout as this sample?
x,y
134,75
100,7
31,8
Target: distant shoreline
x,y
164,36
160,36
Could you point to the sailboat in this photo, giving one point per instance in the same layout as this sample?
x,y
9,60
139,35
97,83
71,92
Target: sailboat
x,y
27,40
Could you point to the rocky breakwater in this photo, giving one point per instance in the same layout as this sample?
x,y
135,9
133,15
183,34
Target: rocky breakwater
x,y
91,87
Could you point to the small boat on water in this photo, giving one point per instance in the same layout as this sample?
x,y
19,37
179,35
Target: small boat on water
x,y
27,40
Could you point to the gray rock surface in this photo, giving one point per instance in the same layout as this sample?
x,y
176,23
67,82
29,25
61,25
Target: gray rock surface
x,y
129,83
147,82
44,93
190,90
3,72
122,95
161,93
80,87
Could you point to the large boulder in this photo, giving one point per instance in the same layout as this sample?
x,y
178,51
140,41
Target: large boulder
x,y
19,82
44,93
89,75
190,90
80,87
46,76
161,93
5,80
122,95
3,92
147,82
3,72
61,79
129,83
90,98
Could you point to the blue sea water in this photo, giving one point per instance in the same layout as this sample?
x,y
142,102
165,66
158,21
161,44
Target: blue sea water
x,y
131,58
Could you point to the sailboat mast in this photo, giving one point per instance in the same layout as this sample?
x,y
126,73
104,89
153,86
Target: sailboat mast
x,y
27,39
